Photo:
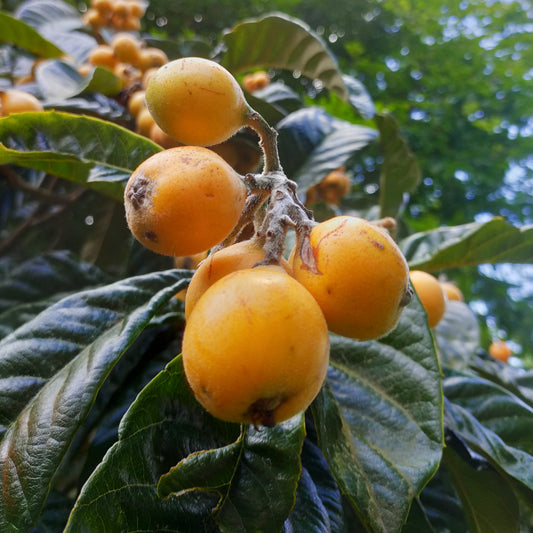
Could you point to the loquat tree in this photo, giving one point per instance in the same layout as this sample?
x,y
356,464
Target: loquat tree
x,y
296,379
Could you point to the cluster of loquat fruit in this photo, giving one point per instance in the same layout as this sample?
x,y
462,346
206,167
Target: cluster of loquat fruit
x,y
115,14
256,340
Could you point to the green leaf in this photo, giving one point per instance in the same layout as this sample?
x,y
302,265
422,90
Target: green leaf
x,y
55,20
516,380
102,80
164,425
495,241
61,80
489,502
275,102
318,505
37,284
49,274
68,350
418,520
359,97
279,41
497,409
457,335
379,423
88,151
514,462
256,476
312,143
400,172
20,34
440,504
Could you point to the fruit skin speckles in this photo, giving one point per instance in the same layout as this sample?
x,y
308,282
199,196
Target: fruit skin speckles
x,y
196,101
361,281
263,366
182,201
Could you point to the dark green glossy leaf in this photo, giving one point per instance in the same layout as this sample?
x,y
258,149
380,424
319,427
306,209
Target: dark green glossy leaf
x,y
489,502
318,505
56,272
497,409
18,33
164,425
256,476
400,172
69,350
514,462
516,380
312,143
252,44
440,504
74,147
309,513
457,335
495,241
274,102
417,521
37,284
379,422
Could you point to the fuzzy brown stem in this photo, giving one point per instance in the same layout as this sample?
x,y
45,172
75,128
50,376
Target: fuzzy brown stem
x,y
267,139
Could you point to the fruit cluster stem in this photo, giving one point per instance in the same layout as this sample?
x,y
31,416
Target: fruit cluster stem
x,y
273,205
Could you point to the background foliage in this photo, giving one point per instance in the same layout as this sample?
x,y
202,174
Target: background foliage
x,y
426,106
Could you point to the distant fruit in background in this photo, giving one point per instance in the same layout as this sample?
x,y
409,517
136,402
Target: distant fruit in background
x,y
18,101
500,350
452,291
256,81
431,295
331,189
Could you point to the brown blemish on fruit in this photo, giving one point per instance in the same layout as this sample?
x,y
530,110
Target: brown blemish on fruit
x,y
332,232
262,411
151,236
139,191
377,244
212,91
407,296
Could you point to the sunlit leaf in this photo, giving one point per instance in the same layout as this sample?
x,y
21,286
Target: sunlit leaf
x,y
495,241
18,33
295,47
73,147
400,172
